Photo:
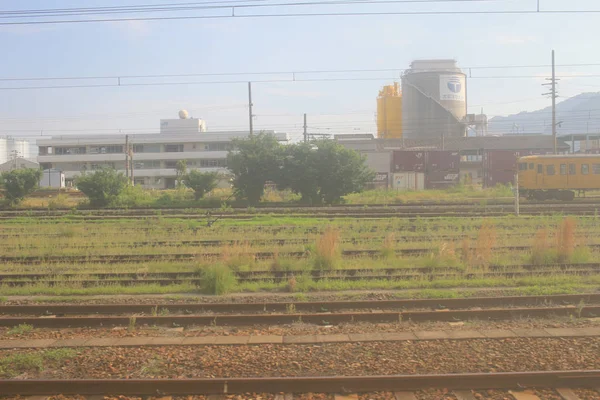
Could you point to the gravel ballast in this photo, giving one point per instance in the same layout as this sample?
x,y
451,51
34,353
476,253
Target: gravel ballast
x,y
347,359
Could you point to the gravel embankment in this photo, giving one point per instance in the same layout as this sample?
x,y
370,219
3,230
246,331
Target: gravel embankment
x,y
346,359
431,394
298,329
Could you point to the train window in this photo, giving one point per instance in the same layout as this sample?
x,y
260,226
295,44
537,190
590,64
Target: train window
x,y
531,165
550,170
585,169
540,169
522,166
563,169
596,169
572,169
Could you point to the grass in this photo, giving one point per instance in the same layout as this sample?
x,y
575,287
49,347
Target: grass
x,y
19,363
327,252
217,279
20,330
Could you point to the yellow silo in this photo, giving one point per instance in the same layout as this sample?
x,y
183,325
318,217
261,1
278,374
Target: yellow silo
x,y
389,112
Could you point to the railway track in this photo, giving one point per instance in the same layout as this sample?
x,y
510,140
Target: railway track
x,y
322,384
270,274
262,255
320,306
316,318
406,211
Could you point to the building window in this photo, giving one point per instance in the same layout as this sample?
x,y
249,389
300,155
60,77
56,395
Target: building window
x,y
585,169
572,169
69,150
114,149
563,169
221,162
550,170
217,146
138,148
173,148
171,164
596,169
139,181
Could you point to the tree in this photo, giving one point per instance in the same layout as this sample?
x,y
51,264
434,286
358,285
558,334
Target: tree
x,y
19,183
102,187
300,173
258,159
181,171
342,171
323,171
201,183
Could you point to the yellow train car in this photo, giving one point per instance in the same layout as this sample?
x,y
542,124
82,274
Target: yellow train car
x,y
558,176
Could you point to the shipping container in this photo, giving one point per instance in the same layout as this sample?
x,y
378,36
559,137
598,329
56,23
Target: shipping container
x,y
500,166
409,161
442,179
381,181
409,181
436,161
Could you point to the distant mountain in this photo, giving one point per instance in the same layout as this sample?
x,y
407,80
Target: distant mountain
x,y
579,114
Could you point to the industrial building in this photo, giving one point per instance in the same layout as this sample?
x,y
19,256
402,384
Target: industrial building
x,y
431,104
11,148
483,160
154,156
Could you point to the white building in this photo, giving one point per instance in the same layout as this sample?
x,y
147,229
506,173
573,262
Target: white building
x,y
155,156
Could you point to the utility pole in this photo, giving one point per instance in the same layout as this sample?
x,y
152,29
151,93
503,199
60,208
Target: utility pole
x,y
250,107
553,95
127,156
130,151
305,131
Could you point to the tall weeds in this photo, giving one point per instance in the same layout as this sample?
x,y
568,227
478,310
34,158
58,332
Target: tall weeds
x,y
216,279
565,240
486,240
541,253
327,250
388,251
238,255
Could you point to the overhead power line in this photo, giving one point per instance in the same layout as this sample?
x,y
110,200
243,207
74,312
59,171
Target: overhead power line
x,y
209,5
232,13
298,72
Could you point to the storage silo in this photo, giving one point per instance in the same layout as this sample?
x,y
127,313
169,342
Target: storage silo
x,y
434,101
389,112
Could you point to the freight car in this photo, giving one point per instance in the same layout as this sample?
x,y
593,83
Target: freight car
x,y
558,176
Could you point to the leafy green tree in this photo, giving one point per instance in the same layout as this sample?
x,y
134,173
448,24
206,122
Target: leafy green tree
x,y
181,171
323,171
102,187
201,182
19,183
257,160
300,173
341,171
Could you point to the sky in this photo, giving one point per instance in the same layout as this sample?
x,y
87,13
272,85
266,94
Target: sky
x,y
273,44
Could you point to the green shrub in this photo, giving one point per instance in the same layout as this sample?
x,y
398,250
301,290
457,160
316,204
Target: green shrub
x,y
102,187
217,279
201,183
19,183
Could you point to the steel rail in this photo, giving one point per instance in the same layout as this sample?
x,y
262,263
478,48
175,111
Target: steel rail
x,y
450,304
336,384
312,318
314,273
116,258
278,279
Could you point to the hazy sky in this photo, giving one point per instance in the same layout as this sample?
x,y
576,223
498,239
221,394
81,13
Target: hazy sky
x,y
281,44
